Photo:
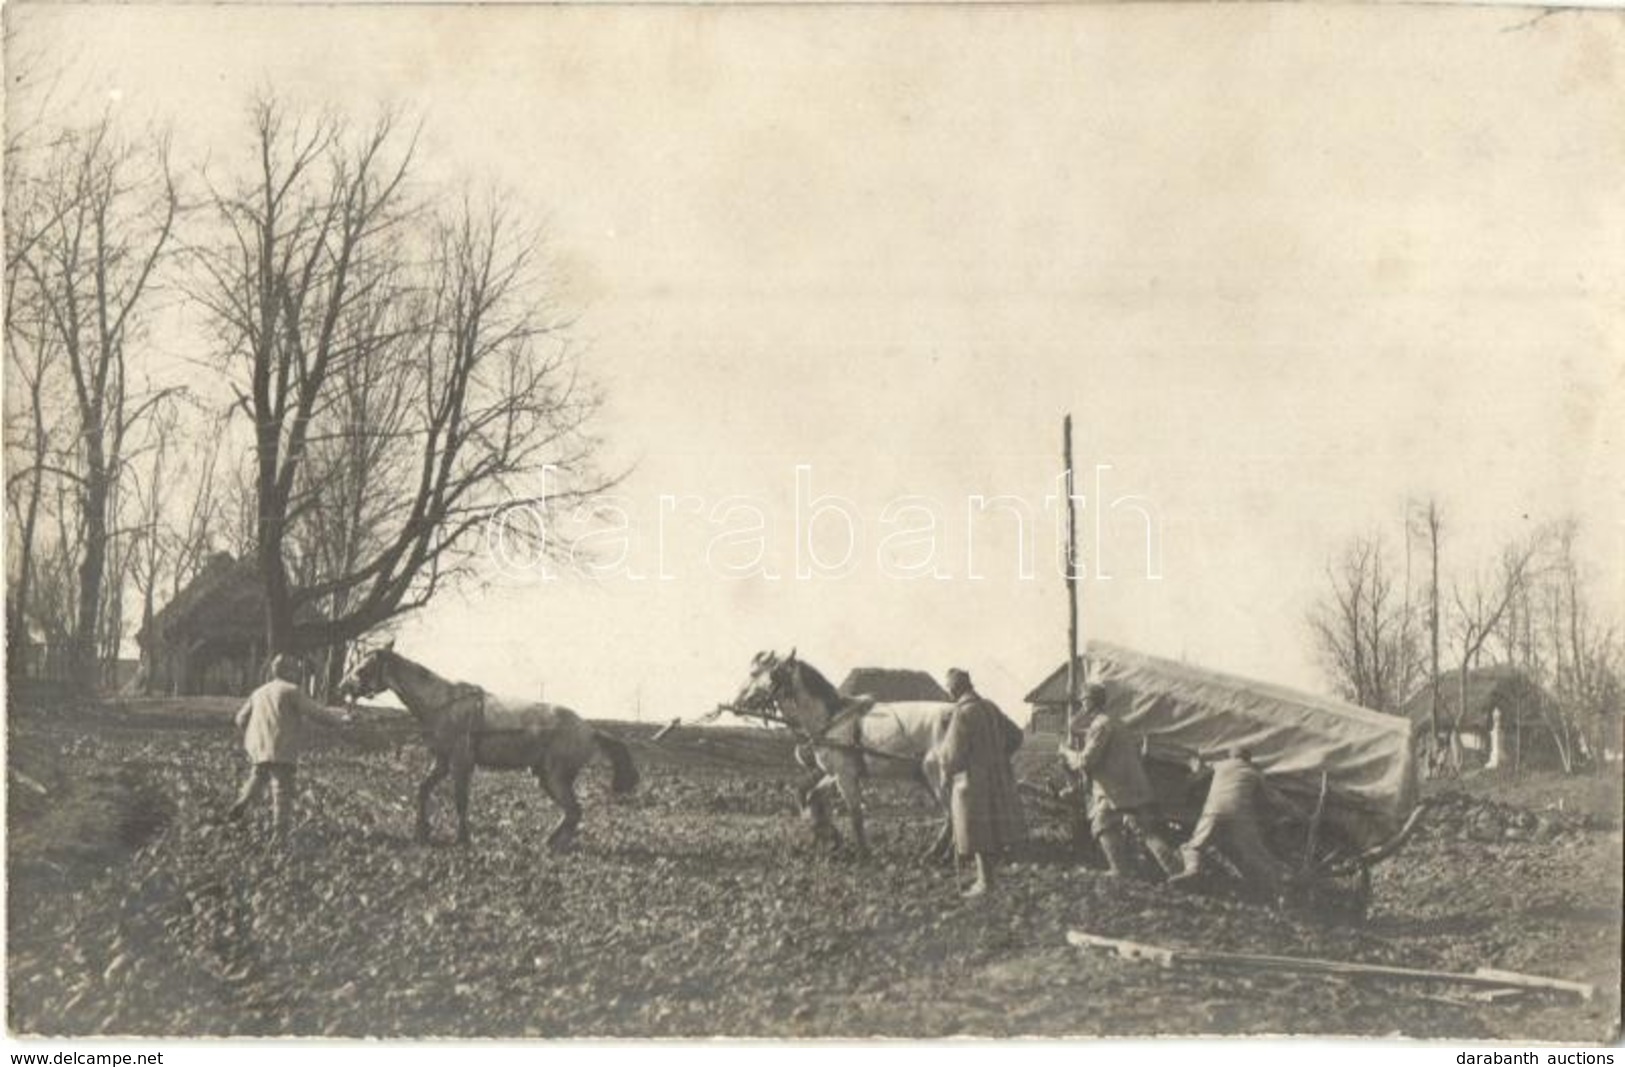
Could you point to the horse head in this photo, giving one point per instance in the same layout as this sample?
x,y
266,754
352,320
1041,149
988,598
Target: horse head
x,y
366,678
769,674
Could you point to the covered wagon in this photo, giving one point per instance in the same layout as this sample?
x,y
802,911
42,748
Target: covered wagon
x,y
1348,772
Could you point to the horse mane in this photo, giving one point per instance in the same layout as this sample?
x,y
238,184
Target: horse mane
x,y
413,667
819,687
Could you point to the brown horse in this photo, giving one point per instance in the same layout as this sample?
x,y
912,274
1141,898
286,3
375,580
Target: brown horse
x,y
465,728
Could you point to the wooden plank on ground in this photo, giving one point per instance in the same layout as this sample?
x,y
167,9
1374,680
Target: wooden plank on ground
x,y
1483,977
1128,950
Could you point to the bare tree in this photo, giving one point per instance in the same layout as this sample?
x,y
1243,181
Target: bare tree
x,y
110,210
402,373
170,543
32,444
1480,608
1430,524
1363,631
30,358
1575,652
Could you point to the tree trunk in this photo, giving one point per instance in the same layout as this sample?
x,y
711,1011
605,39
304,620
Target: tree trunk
x,y
333,673
17,625
278,606
91,570
1433,624
148,671
1461,713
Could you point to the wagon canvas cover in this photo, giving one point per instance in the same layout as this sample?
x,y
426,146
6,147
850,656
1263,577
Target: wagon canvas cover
x,y
1367,756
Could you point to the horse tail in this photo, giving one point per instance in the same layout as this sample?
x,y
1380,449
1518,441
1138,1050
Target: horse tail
x,y
620,757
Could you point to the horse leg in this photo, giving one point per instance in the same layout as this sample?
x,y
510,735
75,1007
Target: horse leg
x,y
437,773
812,807
816,805
852,792
930,777
560,786
566,831
461,781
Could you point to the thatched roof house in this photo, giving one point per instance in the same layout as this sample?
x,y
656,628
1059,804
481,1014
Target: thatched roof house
x,y
1488,688
210,639
1524,709
888,686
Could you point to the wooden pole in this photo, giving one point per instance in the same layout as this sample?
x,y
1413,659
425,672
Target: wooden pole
x,y
1074,679
1167,957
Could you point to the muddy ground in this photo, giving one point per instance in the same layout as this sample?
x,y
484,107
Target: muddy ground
x,y
698,907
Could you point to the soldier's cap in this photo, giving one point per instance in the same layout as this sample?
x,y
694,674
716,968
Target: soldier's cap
x,y
285,667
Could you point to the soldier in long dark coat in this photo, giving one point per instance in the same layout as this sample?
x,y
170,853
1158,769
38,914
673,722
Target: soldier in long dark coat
x,y
975,758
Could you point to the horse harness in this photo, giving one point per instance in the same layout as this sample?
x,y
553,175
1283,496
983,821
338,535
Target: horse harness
x,y
861,753
471,723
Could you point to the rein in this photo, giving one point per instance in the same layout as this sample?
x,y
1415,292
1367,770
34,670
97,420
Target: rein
x,y
816,740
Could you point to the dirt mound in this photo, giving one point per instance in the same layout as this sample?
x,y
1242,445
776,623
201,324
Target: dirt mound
x,y
63,825
1460,816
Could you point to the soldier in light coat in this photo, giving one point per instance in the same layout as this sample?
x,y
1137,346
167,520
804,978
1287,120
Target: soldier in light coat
x,y
1229,823
272,723
1122,792
974,757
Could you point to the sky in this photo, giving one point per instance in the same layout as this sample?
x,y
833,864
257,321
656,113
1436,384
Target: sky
x,y
1289,268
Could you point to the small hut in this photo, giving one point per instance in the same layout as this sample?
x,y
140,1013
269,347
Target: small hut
x,y
1501,695
1048,700
210,639
889,686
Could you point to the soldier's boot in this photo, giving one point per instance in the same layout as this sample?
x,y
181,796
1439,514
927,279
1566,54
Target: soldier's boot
x,y
984,877
1115,850
1192,867
1166,855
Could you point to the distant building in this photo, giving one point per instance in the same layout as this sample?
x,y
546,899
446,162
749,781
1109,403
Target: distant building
x,y
37,656
210,639
1504,692
1048,702
34,654
888,686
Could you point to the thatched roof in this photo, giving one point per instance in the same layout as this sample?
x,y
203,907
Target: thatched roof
x,y
226,601
888,686
1501,686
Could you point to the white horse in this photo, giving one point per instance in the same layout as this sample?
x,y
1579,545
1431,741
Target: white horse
x,y
850,740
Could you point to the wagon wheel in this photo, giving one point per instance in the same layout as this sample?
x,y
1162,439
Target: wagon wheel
x,y
1341,896
1323,887
1362,897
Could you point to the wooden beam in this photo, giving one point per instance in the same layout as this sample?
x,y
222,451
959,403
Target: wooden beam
x,y
1128,950
1484,976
